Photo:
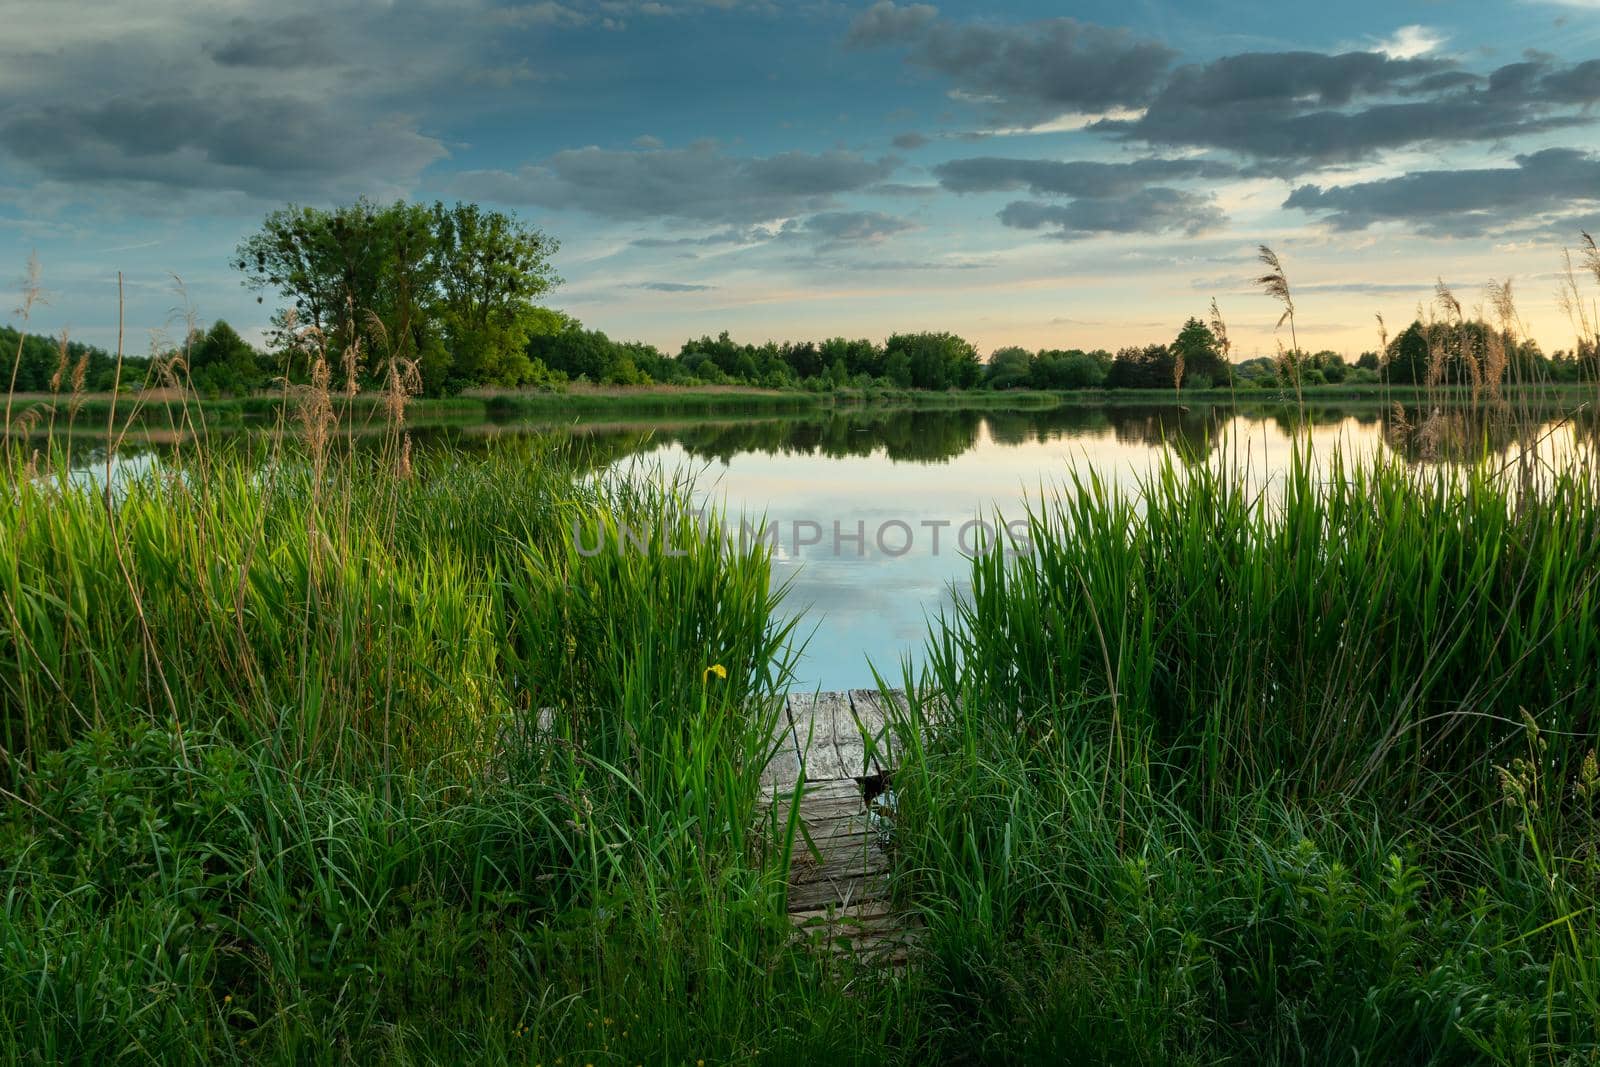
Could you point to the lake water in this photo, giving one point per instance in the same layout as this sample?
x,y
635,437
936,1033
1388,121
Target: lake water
x,y
872,510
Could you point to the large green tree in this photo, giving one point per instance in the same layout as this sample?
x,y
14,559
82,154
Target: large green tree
x,y
220,361
1201,353
451,287
1072,369
1008,368
934,360
1149,367
1407,362
491,268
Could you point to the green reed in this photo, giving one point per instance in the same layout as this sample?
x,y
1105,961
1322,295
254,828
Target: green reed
x,y
318,752
1301,772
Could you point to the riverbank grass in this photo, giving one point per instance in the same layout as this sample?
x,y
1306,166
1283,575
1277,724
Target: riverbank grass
x,y
1210,775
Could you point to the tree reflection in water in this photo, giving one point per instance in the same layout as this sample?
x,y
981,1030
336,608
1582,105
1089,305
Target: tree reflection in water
x,y
1194,433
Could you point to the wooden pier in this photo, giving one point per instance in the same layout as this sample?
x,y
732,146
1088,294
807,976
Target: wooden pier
x,y
837,750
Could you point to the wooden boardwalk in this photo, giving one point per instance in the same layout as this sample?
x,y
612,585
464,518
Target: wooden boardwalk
x,y
840,746
837,750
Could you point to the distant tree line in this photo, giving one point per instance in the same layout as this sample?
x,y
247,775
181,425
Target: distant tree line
x,y
910,361
214,361
454,290
48,365
220,362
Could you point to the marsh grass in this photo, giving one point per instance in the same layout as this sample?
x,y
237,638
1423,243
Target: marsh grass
x,y
1303,776
324,753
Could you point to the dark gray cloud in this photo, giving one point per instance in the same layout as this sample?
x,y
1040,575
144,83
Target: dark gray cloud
x,y
1042,68
1443,81
908,141
825,231
674,287
1462,202
277,45
1305,79
902,189
1579,84
1077,178
1107,197
1149,211
1284,112
263,144
887,23
732,235
700,183
1293,111
138,106
605,14
852,227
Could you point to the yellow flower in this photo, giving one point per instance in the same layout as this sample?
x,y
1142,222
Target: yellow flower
x,y
717,669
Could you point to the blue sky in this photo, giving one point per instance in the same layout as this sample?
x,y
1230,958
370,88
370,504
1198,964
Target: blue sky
x,y
1072,176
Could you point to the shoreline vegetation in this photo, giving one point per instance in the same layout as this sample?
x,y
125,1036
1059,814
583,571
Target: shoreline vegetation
x,y
1210,775
154,408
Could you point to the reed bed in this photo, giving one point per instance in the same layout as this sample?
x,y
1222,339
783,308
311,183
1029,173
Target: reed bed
x,y
317,749
1214,774
317,752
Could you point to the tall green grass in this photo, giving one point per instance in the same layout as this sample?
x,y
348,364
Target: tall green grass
x,y
1304,774
334,755
325,753
1347,626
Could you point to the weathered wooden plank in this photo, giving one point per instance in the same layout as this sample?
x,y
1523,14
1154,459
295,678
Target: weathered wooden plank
x,y
842,858
839,872
876,726
869,928
832,806
832,788
824,747
853,758
812,895
844,734
818,795
859,864
813,715
783,769
839,825
893,952
844,847
877,947
866,911
839,892
840,844
851,736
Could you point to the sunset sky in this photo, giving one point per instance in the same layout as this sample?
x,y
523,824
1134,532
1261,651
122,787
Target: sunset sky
x,y
803,170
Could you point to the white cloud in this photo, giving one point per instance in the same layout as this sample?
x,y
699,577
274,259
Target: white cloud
x,y
1409,42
